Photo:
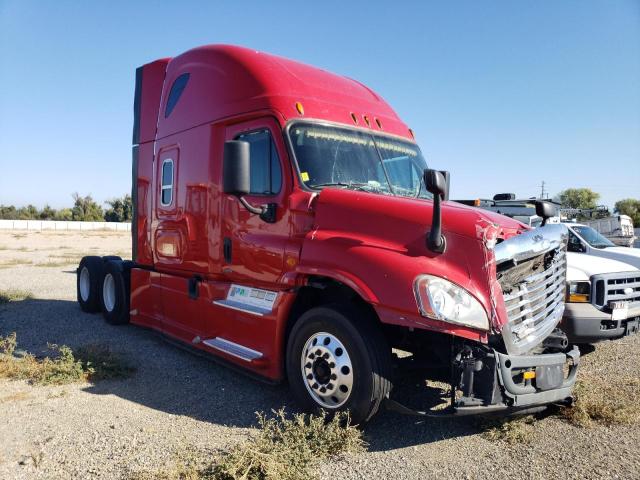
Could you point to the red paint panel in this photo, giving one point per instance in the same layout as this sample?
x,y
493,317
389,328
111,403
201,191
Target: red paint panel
x,y
144,204
146,297
152,80
238,80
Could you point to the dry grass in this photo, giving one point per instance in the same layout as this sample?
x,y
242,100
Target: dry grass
x,y
605,402
14,262
7,296
284,449
91,363
15,397
510,430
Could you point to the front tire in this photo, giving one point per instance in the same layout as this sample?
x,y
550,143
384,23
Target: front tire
x,y
337,359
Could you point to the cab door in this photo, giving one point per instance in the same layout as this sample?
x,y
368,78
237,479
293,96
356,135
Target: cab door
x,y
253,250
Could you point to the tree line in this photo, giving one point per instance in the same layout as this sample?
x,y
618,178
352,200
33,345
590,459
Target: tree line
x,y
85,209
587,199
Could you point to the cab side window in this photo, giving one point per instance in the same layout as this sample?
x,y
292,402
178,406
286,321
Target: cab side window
x,y
266,173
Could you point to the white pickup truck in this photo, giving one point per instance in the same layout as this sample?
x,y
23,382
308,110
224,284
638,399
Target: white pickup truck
x,y
603,287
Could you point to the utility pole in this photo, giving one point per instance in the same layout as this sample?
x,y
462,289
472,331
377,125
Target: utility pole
x,y
542,194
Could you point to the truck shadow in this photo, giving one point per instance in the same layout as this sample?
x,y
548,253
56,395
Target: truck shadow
x,y
175,381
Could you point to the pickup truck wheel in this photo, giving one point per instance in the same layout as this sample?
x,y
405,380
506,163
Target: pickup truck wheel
x,y
337,360
115,293
88,282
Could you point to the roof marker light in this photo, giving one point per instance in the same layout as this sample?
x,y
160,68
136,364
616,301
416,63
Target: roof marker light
x,y
354,118
411,133
299,108
366,120
379,123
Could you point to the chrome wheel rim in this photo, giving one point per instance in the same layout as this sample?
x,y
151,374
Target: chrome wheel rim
x,y
326,369
109,292
85,284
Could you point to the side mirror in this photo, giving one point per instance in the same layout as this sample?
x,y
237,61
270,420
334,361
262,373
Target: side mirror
x,y
236,179
437,183
545,210
576,247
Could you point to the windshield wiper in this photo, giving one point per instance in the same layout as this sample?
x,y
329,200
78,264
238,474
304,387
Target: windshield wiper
x,y
359,186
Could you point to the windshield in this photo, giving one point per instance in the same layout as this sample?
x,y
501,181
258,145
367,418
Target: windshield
x,y
330,156
592,237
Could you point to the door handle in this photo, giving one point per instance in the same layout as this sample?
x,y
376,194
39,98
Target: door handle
x,y
226,249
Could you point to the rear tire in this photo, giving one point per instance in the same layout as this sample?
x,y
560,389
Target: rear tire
x,y
89,282
337,359
114,292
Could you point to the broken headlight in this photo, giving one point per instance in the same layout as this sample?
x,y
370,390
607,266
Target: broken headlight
x,y
441,299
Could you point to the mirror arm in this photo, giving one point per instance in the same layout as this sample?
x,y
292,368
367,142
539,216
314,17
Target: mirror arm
x,y
435,240
267,212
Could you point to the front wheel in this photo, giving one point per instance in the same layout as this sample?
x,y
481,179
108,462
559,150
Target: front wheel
x,y
337,359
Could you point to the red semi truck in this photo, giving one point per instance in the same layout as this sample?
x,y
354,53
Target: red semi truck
x,y
285,222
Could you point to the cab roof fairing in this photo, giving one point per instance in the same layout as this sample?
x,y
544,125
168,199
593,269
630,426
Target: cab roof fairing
x,y
226,81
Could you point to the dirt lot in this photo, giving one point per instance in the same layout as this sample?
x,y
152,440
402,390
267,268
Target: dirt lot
x,y
177,401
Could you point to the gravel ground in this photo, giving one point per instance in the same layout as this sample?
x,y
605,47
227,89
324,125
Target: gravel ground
x,y
177,400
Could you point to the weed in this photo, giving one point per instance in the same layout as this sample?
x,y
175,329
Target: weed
x,y
599,402
36,458
90,363
7,296
8,345
510,430
101,363
284,448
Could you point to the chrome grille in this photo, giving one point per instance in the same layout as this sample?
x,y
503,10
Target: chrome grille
x,y
615,287
533,302
532,274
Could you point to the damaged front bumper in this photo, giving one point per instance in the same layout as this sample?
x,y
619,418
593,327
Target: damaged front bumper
x,y
494,382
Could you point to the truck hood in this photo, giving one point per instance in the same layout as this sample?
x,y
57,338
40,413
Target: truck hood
x,y
581,266
383,216
630,256
377,245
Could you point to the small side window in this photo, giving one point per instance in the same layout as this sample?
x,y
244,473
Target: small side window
x,y
166,187
174,95
266,174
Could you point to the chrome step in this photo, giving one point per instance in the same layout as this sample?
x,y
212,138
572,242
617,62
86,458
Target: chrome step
x,y
234,349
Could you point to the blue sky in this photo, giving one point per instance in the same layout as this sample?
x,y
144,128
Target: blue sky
x,y
502,94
